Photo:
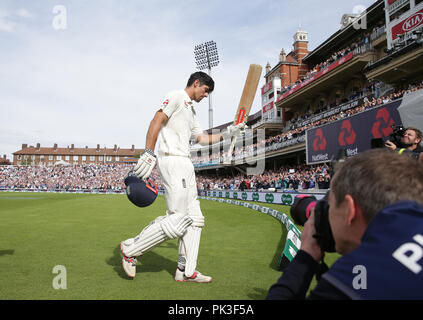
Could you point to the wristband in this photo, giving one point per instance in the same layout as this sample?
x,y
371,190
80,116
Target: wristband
x,y
150,152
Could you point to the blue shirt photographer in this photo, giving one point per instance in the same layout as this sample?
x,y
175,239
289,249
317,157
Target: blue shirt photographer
x,y
388,264
390,257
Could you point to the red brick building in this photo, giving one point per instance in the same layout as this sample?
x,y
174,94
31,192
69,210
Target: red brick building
x,y
285,73
4,161
47,156
291,67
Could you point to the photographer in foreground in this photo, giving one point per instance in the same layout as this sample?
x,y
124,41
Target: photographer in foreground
x,y
409,143
376,218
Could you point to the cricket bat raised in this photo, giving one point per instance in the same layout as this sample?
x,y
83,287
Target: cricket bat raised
x,y
247,98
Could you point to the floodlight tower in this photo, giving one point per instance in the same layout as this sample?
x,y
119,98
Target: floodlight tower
x,y
206,57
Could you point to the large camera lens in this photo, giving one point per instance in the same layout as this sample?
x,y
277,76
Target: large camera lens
x,y
301,208
300,212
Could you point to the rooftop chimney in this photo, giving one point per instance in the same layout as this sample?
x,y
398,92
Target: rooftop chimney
x,y
282,56
133,148
24,146
268,68
38,147
55,147
115,148
98,147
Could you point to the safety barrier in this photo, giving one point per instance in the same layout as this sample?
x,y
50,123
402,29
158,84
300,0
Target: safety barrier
x,y
293,238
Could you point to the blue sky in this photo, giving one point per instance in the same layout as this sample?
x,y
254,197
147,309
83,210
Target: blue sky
x,y
100,80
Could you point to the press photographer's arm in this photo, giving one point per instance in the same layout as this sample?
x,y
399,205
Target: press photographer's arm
x,y
296,278
373,222
308,242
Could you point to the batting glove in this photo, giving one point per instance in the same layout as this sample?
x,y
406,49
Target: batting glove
x,y
145,164
236,130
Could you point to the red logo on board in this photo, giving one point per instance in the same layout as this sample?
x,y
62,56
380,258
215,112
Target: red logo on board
x,y
382,126
319,142
347,135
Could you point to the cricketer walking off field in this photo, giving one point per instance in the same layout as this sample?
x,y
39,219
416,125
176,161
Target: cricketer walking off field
x,y
172,127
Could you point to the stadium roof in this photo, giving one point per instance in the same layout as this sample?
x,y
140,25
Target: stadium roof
x,y
342,37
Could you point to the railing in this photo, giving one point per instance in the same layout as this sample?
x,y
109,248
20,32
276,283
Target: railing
x,y
363,48
378,32
252,151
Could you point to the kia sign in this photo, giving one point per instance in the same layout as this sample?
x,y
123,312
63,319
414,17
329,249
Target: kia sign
x,y
408,24
352,134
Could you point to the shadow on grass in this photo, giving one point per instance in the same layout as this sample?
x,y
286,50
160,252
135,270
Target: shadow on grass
x,y
4,252
259,294
274,264
149,262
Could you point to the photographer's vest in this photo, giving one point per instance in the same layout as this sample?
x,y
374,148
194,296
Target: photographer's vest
x,y
389,262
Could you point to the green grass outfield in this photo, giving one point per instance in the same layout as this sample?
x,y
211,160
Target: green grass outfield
x,y
240,248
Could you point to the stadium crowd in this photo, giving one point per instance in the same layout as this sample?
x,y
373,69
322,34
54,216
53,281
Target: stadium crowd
x,y
77,177
111,178
369,101
297,130
360,42
286,177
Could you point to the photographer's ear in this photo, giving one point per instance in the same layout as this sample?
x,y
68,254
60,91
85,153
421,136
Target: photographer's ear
x,y
354,212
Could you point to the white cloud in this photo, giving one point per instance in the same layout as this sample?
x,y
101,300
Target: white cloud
x,y
24,13
9,20
5,25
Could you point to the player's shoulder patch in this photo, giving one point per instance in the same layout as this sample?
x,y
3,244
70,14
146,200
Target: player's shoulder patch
x,y
171,97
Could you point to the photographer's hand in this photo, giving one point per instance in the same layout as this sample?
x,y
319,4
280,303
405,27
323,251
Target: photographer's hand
x,y
308,242
390,145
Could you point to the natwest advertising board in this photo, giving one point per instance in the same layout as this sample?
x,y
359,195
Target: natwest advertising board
x,y
352,134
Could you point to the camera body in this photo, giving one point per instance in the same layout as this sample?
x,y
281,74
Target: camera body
x,y
396,135
300,212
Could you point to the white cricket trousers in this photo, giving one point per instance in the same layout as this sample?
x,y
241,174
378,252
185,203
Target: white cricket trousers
x,y
178,179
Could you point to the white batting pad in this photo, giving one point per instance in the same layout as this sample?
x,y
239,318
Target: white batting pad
x,y
191,241
163,228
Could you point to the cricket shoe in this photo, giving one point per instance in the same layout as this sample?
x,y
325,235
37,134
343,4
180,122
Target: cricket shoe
x,y
129,264
196,277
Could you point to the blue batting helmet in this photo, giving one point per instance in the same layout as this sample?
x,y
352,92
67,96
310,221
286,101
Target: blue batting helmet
x,y
139,192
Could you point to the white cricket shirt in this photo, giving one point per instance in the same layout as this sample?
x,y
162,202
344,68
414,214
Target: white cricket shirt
x,y
182,124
